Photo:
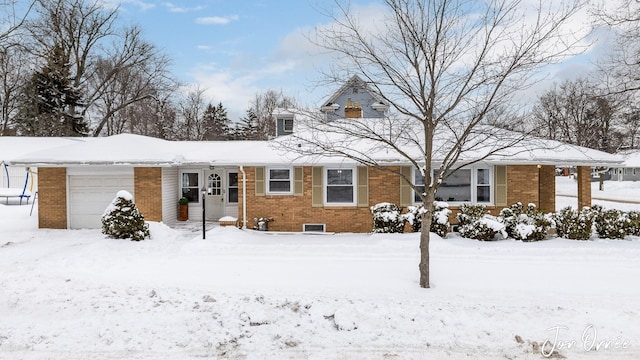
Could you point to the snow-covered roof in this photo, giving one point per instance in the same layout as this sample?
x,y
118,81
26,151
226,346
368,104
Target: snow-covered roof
x,y
631,159
13,147
128,149
328,143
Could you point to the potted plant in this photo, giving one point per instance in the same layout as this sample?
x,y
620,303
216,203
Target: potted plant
x,y
183,213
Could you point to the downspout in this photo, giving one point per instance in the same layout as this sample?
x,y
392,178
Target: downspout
x,y
244,198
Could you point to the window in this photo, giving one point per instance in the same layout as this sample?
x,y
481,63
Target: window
x,y
418,180
288,125
483,186
190,187
214,184
472,185
340,186
313,227
233,187
279,181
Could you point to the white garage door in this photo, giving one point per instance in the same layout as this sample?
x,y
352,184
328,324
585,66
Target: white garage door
x,y
89,196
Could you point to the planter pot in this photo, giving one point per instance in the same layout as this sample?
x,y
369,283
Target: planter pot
x,y
183,212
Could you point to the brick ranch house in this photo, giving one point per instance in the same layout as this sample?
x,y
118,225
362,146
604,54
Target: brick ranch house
x,y
253,179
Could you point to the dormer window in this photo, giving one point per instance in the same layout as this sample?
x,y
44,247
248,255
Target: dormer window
x,y
355,90
288,126
284,125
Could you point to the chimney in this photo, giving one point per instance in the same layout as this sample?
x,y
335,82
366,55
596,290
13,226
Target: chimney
x,y
352,110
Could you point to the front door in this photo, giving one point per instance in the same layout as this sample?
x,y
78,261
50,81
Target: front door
x,y
214,200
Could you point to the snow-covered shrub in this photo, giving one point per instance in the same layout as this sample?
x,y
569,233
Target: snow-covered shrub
x,y
610,224
262,223
387,218
525,224
633,226
474,223
122,220
573,224
414,217
439,218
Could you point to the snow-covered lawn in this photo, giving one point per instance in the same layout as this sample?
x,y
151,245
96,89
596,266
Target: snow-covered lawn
x,y
249,295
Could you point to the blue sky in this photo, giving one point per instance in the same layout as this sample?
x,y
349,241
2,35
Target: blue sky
x,y
236,48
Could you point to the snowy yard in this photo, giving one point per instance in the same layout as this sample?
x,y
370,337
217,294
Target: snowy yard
x,y
248,295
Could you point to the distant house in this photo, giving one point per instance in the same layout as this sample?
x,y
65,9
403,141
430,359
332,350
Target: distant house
x,y
253,179
629,170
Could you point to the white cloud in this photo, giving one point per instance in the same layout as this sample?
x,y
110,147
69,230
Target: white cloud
x,y
216,20
176,9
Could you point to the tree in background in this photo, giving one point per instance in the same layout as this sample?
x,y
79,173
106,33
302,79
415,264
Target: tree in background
x,y
577,112
262,107
623,17
49,104
216,123
443,66
113,66
247,128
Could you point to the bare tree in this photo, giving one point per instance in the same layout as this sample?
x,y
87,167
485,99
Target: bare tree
x,y
12,18
112,66
580,113
192,108
442,66
13,76
263,106
623,17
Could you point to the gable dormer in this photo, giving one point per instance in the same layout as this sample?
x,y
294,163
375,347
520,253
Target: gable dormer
x,y
354,100
284,122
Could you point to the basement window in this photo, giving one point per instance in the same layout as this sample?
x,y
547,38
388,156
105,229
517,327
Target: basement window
x,y
314,227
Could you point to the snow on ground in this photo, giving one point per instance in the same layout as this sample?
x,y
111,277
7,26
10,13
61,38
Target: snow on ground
x,y
251,295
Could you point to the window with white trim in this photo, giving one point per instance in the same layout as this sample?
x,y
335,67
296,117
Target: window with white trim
x,y
232,187
279,181
340,186
288,125
470,185
190,187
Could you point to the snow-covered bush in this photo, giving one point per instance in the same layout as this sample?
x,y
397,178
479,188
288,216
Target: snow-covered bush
x,y
573,224
387,218
439,217
122,220
633,227
474,223
610,224
525,224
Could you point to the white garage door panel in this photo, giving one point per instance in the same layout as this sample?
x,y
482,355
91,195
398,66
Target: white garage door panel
x,y
89,196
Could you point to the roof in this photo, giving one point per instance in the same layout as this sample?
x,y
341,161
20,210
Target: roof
x,y
487,144
138,150
631,159
12,147
355,79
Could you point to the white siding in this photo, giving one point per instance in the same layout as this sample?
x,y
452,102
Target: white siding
x,y
170,194
17,177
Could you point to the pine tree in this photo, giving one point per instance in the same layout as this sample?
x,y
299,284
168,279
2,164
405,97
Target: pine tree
x,y
49,103
248,129
123,220
216,123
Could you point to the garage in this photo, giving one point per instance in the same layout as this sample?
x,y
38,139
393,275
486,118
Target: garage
x,y
89,196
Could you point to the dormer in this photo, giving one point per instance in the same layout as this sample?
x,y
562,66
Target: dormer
x,y
354,100
284,122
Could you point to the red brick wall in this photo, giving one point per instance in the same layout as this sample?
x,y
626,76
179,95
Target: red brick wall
x,y
291,212
584,186
148,192
52,198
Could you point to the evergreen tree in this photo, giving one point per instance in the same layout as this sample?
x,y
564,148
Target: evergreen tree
x,y
49,103
248,127
123,220
216,123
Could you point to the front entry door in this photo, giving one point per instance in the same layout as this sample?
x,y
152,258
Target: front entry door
x,y
214,200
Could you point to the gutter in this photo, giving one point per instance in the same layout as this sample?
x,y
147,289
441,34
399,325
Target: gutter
x,y
244,198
